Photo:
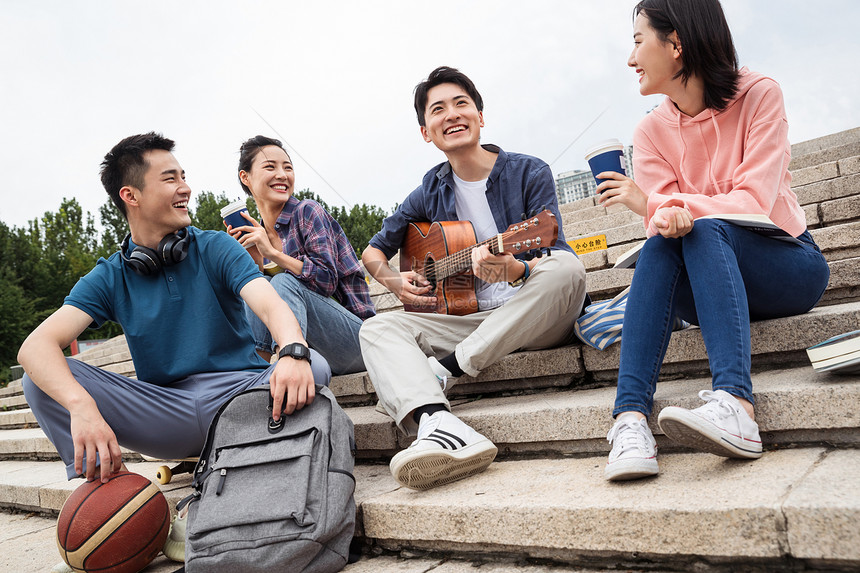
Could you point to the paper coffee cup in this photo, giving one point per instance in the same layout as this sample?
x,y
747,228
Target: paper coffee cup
x,y
606,156
232,214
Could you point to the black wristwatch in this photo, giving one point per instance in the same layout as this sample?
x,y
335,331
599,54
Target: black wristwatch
x,y
295,350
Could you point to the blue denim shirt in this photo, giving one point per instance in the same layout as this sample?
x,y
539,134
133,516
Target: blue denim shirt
x,y
517,184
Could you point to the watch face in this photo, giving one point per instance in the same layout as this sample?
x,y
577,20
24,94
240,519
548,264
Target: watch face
x,y
296,350
299,351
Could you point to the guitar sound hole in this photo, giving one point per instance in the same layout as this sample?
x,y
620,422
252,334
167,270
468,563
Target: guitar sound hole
x,y
429,272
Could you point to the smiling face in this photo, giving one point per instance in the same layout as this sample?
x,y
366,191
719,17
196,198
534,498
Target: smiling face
x,y
159,207
271,177
452,119
657,61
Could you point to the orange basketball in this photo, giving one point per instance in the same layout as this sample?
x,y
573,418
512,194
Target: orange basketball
x,y
114,527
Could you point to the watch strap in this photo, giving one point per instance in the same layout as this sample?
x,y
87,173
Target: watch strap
x,y
295,350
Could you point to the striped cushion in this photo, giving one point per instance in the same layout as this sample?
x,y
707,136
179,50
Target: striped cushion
x,y
600,325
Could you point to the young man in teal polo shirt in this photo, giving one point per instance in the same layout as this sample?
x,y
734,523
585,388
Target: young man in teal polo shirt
x,y
177,292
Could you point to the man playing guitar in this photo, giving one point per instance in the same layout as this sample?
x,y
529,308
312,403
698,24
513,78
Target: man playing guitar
x,y
412,357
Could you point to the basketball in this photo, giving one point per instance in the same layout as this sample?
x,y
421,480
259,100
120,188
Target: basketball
x,y
114,527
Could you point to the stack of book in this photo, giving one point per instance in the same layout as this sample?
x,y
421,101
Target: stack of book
x,y
840,354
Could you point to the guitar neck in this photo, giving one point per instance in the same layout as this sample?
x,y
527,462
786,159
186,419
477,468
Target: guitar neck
x,y
462,260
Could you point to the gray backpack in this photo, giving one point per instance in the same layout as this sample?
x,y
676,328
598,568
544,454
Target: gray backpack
x,y
273,497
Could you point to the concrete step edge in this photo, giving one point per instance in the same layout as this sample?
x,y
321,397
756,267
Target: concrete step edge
x,y
825,142
15,419
777,343
794,406
698,506
789,505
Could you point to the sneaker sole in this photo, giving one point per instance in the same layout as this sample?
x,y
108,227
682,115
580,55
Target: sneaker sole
x,y
174,550
688,429
427,469
623,470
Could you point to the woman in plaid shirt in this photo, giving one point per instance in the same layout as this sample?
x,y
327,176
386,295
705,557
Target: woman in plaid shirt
x,y
323,282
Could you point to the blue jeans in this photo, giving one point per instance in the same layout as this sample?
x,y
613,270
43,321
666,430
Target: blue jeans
x,y
329,328
719,277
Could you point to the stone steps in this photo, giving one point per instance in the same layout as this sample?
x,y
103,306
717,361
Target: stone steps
x,y
794,407
796,508
28,545
19,418
778,343
826,148
792,505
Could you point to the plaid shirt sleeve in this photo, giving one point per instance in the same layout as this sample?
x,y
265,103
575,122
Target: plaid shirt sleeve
x,y
318,251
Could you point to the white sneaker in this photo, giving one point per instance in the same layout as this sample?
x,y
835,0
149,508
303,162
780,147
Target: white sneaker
x,y
634,451
721,426
446,450
442,373
174,546
62,567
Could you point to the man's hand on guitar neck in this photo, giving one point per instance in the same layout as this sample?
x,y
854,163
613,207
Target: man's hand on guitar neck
x,y
492,268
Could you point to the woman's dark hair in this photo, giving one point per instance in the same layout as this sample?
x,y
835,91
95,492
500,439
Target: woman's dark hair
x,y
444,75
248,152
125,164
707,49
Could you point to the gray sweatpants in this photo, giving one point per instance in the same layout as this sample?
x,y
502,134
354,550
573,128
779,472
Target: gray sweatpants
x,y
395,345
165,422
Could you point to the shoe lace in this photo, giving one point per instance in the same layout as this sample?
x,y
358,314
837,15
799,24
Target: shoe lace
x,y
628,434
717,408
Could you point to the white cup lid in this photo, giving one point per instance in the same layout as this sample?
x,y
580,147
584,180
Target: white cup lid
x,y
237,205
602,147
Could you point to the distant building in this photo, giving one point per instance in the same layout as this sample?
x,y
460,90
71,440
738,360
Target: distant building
x,y
579,184
573,185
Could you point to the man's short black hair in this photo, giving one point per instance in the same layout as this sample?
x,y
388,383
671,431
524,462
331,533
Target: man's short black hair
x,y
707,49
444,75
125,164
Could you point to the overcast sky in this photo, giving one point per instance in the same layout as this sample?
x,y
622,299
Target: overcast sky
x,y
334,80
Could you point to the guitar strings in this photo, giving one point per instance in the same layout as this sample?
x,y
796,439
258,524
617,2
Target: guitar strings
x,y
461,260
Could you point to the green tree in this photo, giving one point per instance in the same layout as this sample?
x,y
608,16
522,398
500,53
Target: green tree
x,y
207,216
68,242
359,223
114,229
19,318
51,255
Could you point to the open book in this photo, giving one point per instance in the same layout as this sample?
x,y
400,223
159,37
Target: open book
x,y
760,224
838,354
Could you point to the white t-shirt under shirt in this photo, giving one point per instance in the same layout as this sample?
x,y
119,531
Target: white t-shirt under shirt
x,y
470,200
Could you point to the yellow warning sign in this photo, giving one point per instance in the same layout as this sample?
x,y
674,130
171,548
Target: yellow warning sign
x,y
588,244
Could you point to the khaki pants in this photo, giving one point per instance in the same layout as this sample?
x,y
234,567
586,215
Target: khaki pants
x,y
395,345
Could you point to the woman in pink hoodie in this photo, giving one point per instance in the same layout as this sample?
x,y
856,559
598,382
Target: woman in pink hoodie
x,y
718,144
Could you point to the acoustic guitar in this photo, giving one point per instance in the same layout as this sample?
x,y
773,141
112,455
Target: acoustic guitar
x,y
442,253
